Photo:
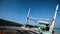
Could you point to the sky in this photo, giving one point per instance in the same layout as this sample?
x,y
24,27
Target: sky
x,y
16,10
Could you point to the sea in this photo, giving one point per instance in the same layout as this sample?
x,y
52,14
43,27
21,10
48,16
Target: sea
x,y
57,31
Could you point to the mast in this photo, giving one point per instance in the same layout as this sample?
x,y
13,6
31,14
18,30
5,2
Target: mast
x,y
27,18
54,19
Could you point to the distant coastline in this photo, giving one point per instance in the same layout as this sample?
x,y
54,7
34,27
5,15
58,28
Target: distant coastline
x,y
56,28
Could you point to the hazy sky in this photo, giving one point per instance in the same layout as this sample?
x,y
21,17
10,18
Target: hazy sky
x,y
16,10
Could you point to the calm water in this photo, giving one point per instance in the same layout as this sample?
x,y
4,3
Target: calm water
x,y
57,31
